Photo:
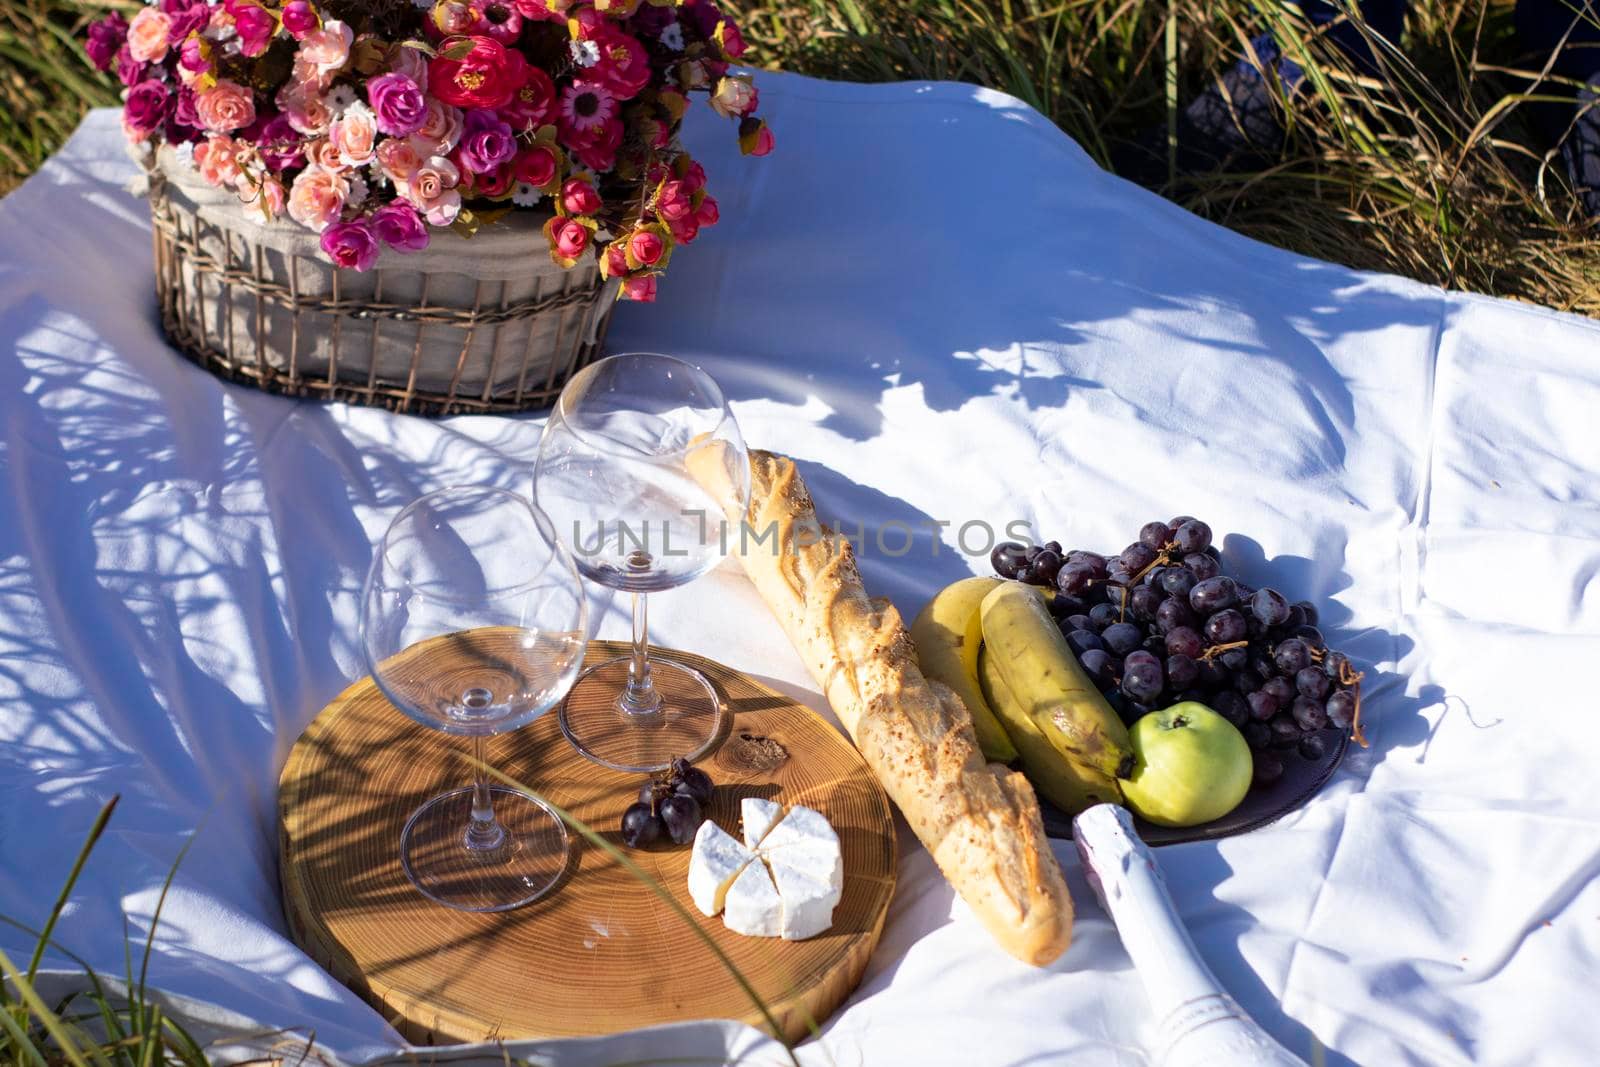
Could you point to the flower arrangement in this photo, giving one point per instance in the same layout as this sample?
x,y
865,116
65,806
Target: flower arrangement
x,y
372,122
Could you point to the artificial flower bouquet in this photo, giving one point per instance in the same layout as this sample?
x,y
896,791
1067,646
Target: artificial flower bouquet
x,y
374,122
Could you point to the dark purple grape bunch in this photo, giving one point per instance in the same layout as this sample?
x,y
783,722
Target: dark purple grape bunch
x,y
672,806
1159,623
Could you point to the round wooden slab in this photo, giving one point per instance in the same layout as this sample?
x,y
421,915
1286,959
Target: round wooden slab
x,y
601,953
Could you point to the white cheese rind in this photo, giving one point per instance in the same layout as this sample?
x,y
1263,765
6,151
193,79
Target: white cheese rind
x,y
807,902
715,861
758,817
752,904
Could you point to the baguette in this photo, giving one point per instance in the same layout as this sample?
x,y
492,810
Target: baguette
x,y
980,821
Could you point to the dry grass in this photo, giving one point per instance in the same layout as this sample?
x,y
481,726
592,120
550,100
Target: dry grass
x,y
1428,166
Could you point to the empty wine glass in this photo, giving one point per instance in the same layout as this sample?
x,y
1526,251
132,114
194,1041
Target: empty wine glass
x,y
473,621
637,462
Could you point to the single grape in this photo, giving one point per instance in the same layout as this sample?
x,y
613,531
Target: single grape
x,y
1296,619
1143,602
1142,679
1213,594
1335,664
1267,768
1182,672
1174,612
1152,577
1215,553
1074,578
648,791
1178,520
1291,656
1054,546
1245,683
1262,705
1313,747
1122,637
640,826
1309,714
1270,607
680,814
1096,663
1226,627
1136,557
1155,534
1231,706
1084,640
1281,688
1311,683
1311,636
1285,731
1236,659
1102,615
1192,536
1093,560
1046,565
1032,551
1183,641
1007,557
1177,581
1076,622
1309,610
1202,566
696,783
1341,709
1118,574
1258,735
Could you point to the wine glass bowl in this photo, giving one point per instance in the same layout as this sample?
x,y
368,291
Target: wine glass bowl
x,y
645,475
473,622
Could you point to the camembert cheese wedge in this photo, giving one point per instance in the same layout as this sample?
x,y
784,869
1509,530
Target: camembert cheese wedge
x,y
784,881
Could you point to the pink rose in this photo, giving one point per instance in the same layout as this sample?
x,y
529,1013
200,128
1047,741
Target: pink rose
x,y
674,201
616,259
398,103
355,133
734,97
579,198
254,25
225,107
326,49
433,190
399,226
533,104
267,197
685,229
399,160
350,245
317,197
706,214
305,109
694,176
440,130
731,40
217,158
323,153
647,247
299,18
147,35
570,236
763,142
535,165
642,288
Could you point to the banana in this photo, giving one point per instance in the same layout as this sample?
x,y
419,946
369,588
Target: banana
x,y
1059,778
947,634
1033,658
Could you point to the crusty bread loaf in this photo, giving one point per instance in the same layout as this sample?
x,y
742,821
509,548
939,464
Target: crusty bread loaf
x,y
980,821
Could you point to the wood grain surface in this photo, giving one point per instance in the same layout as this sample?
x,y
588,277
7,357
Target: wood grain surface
x,y
601,953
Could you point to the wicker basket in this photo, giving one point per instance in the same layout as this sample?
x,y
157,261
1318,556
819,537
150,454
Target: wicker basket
x,y
468,325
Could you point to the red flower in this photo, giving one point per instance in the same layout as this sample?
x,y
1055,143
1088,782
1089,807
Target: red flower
x,y
489,75
535,165
533,103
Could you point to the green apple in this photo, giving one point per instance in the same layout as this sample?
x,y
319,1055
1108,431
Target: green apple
x,y
1190,766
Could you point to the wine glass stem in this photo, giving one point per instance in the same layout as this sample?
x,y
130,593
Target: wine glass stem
x,y
640,696
484,832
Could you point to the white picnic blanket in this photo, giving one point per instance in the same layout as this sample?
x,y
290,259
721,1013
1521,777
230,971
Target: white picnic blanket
x,y
935,302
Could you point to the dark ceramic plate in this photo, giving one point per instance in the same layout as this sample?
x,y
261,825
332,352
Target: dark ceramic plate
x,y
1262,805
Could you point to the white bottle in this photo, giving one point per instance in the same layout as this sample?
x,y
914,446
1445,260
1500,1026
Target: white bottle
x,y
1201,1025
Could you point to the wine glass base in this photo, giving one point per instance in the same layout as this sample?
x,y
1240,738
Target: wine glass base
x,y
526,865
687,724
